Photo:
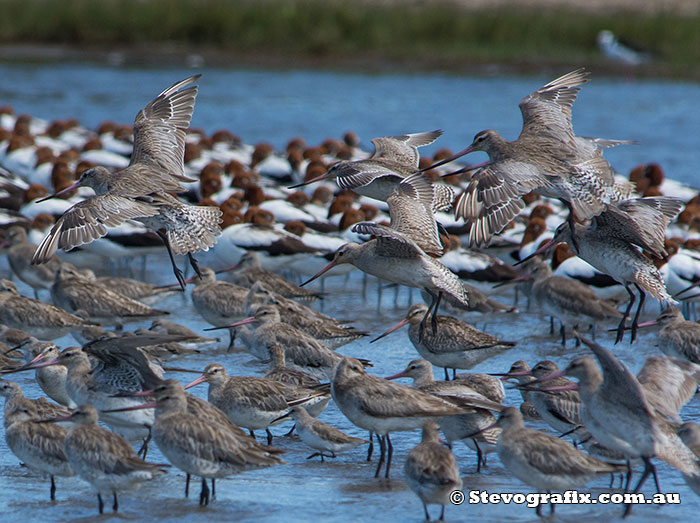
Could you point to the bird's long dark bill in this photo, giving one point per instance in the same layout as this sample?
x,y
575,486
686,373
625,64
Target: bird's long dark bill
x,y
312,180
149,405
466,169
283,416
548,377
450,159
569,386
228,269
141,394
69,417
320,273
31,366
393,329
522,277
694,285
505,376
245,321
539,251
59,193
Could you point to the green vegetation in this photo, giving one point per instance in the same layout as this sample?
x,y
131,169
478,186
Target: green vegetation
x,y
425,35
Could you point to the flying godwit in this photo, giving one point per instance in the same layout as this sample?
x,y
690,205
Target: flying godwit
x,y
611,243
456,345
431,471
547,158
401,253
394,158
142,190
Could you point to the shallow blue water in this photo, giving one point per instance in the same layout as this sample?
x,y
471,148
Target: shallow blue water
x,y
273,107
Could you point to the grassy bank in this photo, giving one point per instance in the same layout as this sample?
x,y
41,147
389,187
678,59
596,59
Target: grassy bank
x,y
437,36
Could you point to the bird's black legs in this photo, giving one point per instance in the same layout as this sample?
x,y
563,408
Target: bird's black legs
x,y
635,321
621,326
176,270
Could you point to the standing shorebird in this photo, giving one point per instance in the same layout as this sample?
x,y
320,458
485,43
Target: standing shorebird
x,y
403,253
543,461
431,471
251,402
39,446
74,292
456,345
19,255
382,407
219,302
302,351
37,318
198,443
394,159
14,397
460,425
611,244
546,158
566,299
120,370
142,190
249,270
616,411
51,379
678,337
320,436
103,458
560,409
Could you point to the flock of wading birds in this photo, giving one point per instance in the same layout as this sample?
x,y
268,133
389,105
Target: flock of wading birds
x,y
615,419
